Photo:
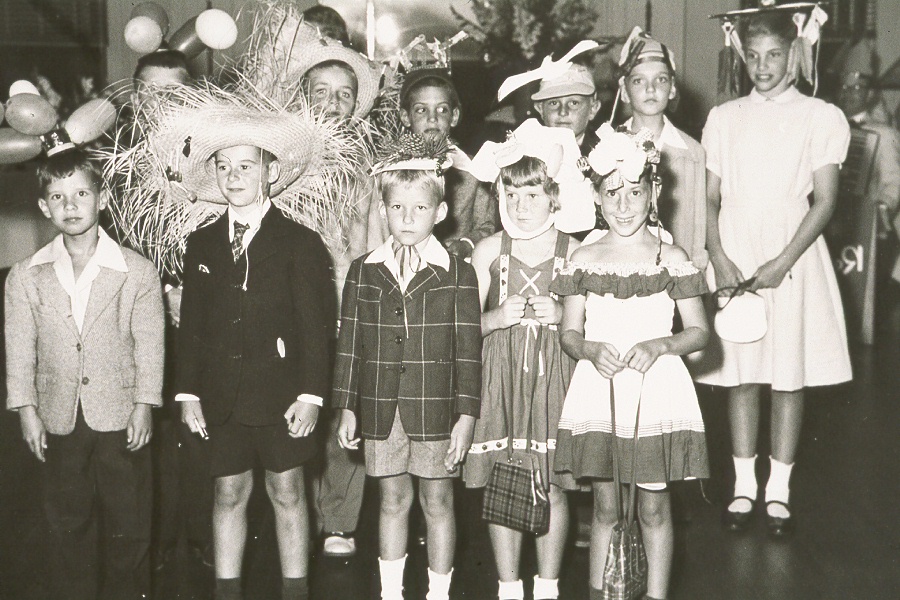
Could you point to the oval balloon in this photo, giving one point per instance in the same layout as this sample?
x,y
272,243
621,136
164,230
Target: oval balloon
x,y
23,86
216,29
90,120
153,11
143,35
16,147
30,114
186,40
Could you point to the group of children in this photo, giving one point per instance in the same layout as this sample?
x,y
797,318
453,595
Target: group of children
x,y
440,364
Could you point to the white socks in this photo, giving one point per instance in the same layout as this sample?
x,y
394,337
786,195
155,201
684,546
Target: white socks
x,y
438,585
744,484
546,589
511,590
392,578
777,489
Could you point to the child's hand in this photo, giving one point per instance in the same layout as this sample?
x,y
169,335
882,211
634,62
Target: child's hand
x,y
192,416
546,310
727,273
347,429
769,275
606,359
33,431
460,249
460,440
644,355
140,427
301,418
511,311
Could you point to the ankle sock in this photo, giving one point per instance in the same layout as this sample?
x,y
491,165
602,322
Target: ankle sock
x,y
778,489
229,589
439,585
546,589
294,588
511,590
392,578
744,483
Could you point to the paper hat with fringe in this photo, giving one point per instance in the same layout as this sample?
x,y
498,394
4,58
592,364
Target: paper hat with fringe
x,y
558,149
421,59
808,17
283,48
165,179
621,155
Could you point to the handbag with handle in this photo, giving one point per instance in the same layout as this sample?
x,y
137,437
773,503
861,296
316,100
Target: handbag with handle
x,y
515,495
625,571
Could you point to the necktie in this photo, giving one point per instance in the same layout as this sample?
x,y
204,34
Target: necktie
x,y
409,260
237,242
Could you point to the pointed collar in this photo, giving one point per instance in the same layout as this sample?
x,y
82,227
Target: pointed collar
x,y
669,136
255,218
108,253
784,97
430,250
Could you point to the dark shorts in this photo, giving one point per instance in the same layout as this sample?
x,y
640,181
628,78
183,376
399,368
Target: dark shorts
x,y
237,448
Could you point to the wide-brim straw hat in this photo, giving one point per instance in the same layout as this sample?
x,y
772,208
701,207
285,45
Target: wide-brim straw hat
x,y
309,49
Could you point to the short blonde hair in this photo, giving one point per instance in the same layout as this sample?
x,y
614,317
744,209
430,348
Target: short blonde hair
x,y
529,170
429,180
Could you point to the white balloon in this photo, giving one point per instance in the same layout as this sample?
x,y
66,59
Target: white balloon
x,y
216,29
143,35
23,86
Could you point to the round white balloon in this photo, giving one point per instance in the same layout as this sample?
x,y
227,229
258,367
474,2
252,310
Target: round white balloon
x,y
23,86
216,29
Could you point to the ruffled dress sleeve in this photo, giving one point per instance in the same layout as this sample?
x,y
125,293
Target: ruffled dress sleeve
x,y
679,280
830,138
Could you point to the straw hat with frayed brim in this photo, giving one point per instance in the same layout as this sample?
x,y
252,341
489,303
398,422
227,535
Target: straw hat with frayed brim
x,y
311,49
190,138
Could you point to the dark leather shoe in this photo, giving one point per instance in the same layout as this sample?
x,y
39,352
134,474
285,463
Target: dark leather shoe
x,y
779,526
738,521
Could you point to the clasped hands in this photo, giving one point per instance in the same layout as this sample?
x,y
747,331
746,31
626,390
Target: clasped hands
x,y
606,359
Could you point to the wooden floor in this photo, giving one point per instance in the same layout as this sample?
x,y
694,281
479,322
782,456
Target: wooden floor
x,y
845,492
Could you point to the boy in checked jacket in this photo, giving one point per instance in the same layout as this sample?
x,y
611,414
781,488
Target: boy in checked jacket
x,y
409,364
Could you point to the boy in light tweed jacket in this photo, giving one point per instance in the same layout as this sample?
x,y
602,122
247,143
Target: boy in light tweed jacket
x,y
409,366
84,365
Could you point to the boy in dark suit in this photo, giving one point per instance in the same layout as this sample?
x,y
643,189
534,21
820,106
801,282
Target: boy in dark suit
x,y
409,366
257,321
84,366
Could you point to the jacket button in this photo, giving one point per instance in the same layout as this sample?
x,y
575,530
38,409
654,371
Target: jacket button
x,y
85,381
398,339
398,311
78,346
402,369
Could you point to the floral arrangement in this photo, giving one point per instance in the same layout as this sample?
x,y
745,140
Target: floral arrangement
x,y
621,155
515,31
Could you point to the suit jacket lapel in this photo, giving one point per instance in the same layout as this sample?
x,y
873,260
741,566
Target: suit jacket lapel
x,y
424,280
266,242
53,294
103,290
387,282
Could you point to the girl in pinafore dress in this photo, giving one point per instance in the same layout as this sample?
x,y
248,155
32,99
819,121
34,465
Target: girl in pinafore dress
x,y
620,297
524,365
767,154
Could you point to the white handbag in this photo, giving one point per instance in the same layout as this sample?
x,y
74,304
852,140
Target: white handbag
x,y
741,319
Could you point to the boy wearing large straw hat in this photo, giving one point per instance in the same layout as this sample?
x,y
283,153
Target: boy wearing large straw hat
x,y
257,319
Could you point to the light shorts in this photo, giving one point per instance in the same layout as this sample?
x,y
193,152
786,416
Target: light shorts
x,y
398,455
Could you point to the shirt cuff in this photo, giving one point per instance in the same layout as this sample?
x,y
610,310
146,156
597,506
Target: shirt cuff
x,y
186,398
310,399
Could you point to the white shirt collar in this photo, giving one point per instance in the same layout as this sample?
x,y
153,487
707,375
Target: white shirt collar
x,y
669,136
253,220
107,254
786,96
430,250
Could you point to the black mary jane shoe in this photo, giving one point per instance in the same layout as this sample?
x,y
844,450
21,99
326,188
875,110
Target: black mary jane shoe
x,y
738,521
779,526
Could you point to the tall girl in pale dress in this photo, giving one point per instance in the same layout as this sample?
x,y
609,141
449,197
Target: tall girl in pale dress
x,y
772,181
525,371
620,297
